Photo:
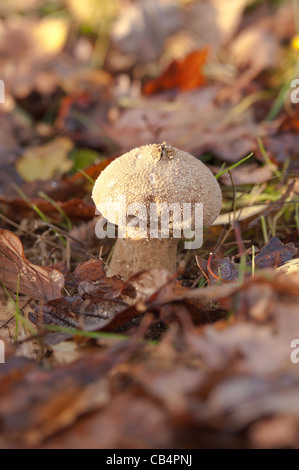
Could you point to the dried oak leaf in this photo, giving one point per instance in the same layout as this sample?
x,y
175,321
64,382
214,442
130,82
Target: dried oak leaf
x,y
185,74
274,254
93,284
39,282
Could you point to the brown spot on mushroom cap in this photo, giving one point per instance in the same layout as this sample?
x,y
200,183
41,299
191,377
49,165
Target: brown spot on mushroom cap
x,y
157,173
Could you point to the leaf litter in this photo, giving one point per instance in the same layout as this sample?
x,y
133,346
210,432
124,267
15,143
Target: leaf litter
x,y
204,354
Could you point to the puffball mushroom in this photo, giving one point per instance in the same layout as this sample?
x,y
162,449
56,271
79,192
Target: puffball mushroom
x,y
146,177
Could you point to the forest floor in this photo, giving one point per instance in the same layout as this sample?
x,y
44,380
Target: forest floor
x,y
207,357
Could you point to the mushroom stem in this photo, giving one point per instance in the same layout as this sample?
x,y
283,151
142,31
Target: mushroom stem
x,y
133,255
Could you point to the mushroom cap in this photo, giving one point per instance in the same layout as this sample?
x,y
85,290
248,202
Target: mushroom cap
x,y
157,173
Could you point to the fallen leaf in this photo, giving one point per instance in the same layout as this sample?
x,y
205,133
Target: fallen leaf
x,y
91,271
291,266
93,284
274,254
38,282
185,74
46,161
